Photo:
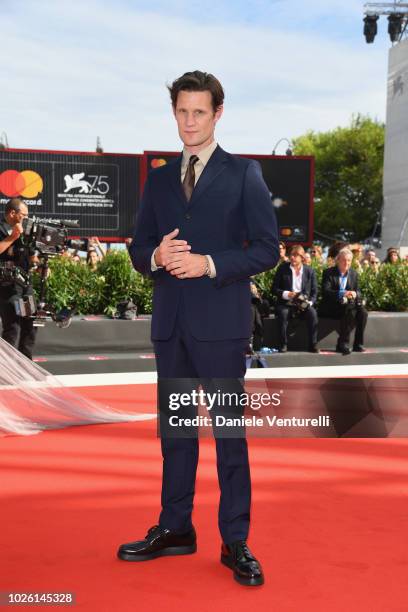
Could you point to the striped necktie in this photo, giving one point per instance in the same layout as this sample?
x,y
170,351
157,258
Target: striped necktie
x,y
189,179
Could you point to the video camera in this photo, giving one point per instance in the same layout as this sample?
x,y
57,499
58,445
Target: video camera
x,y
47,236
11,274
79,244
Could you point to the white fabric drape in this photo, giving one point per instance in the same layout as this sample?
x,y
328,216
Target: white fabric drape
x,y
32,400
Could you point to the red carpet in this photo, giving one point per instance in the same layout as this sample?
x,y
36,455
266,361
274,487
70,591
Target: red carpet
x,y
329,521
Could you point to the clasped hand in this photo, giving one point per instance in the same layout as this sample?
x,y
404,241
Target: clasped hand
x,y
176,257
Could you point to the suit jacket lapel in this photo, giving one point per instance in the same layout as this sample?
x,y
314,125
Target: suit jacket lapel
x,y
304,280
336,278
213,168
290,279
175,179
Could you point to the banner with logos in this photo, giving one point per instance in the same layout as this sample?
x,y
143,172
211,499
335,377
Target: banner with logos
x,y
290,180
99,191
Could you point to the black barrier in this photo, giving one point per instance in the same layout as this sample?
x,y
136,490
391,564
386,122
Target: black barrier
x,y
99,191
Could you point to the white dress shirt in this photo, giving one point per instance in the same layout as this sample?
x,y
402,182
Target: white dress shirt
x,y
203,158
296,282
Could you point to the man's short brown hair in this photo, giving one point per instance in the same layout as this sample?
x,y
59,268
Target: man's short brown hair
x,y
13,204
198,81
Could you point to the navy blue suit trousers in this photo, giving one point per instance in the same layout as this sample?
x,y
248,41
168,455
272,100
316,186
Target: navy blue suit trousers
x,y
184,357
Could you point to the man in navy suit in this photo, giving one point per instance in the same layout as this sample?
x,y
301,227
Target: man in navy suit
x,y
293,279
205,226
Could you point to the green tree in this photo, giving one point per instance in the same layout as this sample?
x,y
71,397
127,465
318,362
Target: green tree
x,y
348,177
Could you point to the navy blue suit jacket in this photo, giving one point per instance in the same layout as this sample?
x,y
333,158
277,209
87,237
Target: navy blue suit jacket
x,y
283,282
230,217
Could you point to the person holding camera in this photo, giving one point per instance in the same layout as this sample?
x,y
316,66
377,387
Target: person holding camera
x,y
17,331
295,286
342,299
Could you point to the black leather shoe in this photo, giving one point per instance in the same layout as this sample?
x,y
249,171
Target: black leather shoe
x,y
314,349
283,349
246,568
159,542
343,349
359,348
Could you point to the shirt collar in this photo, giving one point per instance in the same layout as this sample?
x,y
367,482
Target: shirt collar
x,y
342,274
300,271
204,155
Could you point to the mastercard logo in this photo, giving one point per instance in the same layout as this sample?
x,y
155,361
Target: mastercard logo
x,y
157,162
27,183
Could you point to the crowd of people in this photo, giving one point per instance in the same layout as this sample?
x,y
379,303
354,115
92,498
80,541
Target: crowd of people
x,y
94,254
295,289
362,257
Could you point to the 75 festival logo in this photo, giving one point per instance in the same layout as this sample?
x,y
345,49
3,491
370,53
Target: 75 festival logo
x,y
95,184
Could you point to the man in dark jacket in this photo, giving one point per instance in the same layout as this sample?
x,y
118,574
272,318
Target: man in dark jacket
x,y
295,286
342,299
17,331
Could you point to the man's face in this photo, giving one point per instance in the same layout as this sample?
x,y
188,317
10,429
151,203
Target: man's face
x,y
296,260
344,263
17,216
196,119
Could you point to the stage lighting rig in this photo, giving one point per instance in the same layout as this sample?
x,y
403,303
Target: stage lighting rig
x,y
397,14
370,27
395,26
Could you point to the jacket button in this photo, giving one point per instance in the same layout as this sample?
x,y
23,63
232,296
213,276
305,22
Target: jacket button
x,y
188,216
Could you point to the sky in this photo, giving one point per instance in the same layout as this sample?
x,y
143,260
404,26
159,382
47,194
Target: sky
x,y
74,70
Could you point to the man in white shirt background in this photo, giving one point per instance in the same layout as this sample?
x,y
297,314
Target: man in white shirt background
x,y
294,279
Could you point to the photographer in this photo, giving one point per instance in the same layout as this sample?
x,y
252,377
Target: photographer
x,y
17,331
295,286
341,299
